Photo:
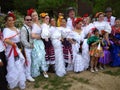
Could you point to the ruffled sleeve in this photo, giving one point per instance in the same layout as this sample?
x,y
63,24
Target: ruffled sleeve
x,y
45,31
107,27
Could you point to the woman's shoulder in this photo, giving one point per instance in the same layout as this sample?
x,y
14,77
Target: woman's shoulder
x,y
6,30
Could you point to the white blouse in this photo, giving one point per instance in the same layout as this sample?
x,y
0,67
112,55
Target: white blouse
x,y
102,26
45,31
36,29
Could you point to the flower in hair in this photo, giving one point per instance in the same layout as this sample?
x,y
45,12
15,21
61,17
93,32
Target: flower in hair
x,y
30,11
42,15
11,14
85,15
77,20
97,14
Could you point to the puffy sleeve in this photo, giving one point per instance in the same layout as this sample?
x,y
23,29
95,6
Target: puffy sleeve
x,y
45,31
34,29
6,33
108,27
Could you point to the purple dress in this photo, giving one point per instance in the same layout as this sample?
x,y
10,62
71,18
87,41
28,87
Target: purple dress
x,y
107,55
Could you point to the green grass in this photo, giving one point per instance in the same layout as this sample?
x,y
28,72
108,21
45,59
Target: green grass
x,y
82,80
58,83
52,83
115,73
38,81
46,86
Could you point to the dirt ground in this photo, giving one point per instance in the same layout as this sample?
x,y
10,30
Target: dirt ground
x,y
82,81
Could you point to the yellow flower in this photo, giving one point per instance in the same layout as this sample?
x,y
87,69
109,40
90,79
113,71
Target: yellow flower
x,y
43,15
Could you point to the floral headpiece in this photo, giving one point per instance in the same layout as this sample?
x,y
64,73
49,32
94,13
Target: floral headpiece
x,y
85,15
77,20
11,14
30,11
42,15
98,14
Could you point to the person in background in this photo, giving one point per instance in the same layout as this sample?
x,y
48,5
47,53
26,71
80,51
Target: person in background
x,y
15,59
71,18
60,17
38,52
3,65
109,18
115,47
27,42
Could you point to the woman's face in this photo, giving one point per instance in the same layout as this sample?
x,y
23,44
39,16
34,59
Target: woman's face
x,y
117,23
63,22
86,20
101,17
34,16
79,25
10,22
72,14
53,22
46,19
96,33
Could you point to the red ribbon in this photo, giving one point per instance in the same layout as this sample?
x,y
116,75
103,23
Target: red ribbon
x,y
14,50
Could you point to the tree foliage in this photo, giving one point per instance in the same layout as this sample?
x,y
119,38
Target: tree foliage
x,y
55,6
101,5
23,5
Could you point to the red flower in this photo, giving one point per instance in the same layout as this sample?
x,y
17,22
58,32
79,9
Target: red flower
x,y
77,20
30,11
11,14
85,15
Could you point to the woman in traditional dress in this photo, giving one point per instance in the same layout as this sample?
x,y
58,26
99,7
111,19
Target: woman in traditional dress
x,y
67,46
3,65
87,28
15,67
77,37
56,38
102,25
38,53
50,56
115,47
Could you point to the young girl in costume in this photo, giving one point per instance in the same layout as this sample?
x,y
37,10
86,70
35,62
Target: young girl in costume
x,y
95,50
